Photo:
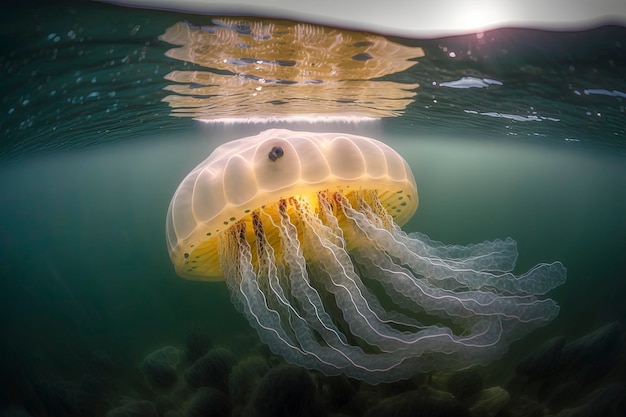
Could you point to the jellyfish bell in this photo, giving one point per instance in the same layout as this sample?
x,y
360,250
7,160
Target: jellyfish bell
x,y
305,230
256,177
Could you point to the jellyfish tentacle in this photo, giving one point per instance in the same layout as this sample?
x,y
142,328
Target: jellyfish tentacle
x,y
310,302
308,296
241,275
299,326
254,300
464,303
495,256
307,335
332,359
367,319
490,255
516,315
537,281
326,211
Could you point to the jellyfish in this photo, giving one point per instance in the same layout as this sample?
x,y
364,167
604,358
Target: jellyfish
x,y
305,229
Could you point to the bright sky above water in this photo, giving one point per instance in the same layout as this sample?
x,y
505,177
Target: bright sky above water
x,y
416,18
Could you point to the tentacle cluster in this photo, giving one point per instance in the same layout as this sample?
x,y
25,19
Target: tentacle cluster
x,y
312,295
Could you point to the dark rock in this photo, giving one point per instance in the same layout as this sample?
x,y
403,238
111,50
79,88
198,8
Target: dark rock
x,y
489,402
245,377
198,343
594,354
542,362
603,341
464,384
563,394
367,397
134,408
96,363
522,406
398,387
337,391
208,402
424,402
585,360
160,366
173,401
287,391
69,398
211,370
14,412
608,401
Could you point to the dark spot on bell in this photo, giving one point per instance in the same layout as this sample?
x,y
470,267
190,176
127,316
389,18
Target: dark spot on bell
x,y
362,57
285,63
275,153
243,29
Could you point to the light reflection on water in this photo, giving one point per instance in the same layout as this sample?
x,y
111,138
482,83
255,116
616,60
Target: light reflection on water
x,y
260,70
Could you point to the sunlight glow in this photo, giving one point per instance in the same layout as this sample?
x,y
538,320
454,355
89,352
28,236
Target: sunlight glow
x,y
414,18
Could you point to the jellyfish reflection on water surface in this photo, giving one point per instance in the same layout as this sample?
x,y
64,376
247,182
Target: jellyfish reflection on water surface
x,y
304,229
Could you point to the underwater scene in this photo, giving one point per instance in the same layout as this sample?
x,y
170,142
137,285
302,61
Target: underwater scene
x,y
212,216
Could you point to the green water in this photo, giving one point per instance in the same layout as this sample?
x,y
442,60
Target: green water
x,y
85,260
